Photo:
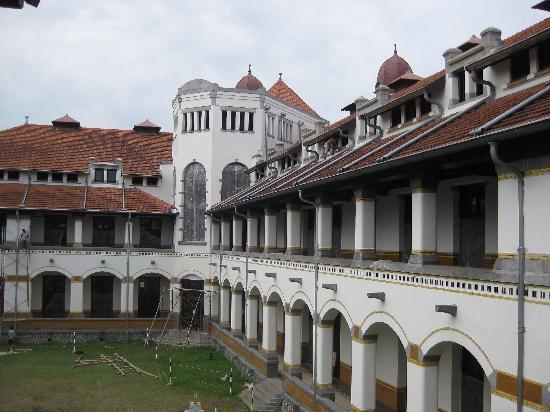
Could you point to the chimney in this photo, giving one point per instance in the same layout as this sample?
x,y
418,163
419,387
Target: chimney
x,y
450,54
490,38
147,127
382,93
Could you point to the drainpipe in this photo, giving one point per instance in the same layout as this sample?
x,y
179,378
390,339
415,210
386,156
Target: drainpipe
x,y
375,127
493,147
17,246
273,168
128,246
316,289
308,150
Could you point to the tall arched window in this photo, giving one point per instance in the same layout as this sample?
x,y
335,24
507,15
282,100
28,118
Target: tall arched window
x,y
234,179
194,202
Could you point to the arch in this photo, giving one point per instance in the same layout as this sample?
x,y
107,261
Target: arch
x,y
150,271
238,284
194,202
216,280
389,320
226,283
431,344
255,290
50,269
198,273
331,308
277,291
234,179
300,296
110,271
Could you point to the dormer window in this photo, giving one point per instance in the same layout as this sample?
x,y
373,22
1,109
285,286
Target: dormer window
x,y
410,110
544,54
13,175
72,178
111,175
425,106
479,87
42,176
137,181
99,176
224,119
152,181
396,116
519,65
57,177
103,175
461,85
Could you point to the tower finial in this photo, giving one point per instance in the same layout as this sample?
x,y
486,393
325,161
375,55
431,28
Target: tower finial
x,y
249,69
395,48
280,76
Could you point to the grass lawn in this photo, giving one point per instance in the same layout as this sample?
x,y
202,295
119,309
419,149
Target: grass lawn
x,y
44,379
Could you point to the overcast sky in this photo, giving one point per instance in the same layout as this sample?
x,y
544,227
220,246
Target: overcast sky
x,y
113,63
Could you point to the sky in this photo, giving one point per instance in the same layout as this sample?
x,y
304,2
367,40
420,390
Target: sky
x,y
112,64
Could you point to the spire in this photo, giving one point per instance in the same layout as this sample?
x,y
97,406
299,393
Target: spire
x,y
249,69
394,48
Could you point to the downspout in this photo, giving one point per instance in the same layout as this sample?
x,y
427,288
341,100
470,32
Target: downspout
x,y
128,246
375,127
315,315
273,168
312,151
493,147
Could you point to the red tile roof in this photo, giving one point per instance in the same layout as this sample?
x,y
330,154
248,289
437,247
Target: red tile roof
x,y
41,147
58,197
281,90
527,32
330,129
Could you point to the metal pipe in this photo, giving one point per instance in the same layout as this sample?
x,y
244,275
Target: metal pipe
x,y
374,126
493,148
316,288
128,246
17,246
308,150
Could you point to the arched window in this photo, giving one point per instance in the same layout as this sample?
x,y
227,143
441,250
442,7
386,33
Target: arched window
x,y
234,179
194,202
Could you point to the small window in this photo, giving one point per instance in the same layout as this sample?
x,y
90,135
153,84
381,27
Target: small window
x,y
410,110
224,119
99,176
192,120
199,120
57,177
519,65
137,181
241,121
111,175
1,175
479,87
152,181
461,85
396,116
425,106
207,120
544,55
13,175
42,176
250,122
233,120
72,178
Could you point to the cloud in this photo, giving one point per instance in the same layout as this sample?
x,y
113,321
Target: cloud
x,y
114,63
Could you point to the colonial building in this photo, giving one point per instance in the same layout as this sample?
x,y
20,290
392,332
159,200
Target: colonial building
x,y
396,259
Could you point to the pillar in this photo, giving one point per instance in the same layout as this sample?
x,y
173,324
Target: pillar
x,y
175,303
215,235
77,232
270,232
424,221
203,120
422,381
127,233
252,232
325,331
365,224
269,333
196,124
188,120
126,290
214,302
293,229
252,320
76,308
237,312
237,234
324,227
226,231
363,373
224,309
293,343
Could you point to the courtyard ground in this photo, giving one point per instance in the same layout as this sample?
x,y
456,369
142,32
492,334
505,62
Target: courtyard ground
x,y
44,379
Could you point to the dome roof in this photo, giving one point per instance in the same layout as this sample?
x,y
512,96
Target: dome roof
x,y
392,69
249,82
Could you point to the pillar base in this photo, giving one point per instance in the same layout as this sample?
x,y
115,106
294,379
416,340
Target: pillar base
x,y
252,343
123,315
252,249
364,255
293,370
325,253
270,249
424,258
326,391
237,333
76,314
225,325
294,251
271,363
237,249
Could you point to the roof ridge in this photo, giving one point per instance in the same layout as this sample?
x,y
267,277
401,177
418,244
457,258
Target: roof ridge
x,y
290,97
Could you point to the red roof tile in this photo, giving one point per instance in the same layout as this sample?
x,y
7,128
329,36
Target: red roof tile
x,y
527,32
281,90
41,147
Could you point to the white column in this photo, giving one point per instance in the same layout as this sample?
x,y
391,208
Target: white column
x,y
252,319
226,231
188,120
237,120
293,229
76,309
196,122
237,234
325,332
422,381
215,236
214,300
236,312
324,228
123,294
269,333
77,232
424,223
365,226
252,233
203,120
293,343
225,295
363,373
270,243
127,233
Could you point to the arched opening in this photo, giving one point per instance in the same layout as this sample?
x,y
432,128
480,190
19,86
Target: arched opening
x,y
298,355
273,328
194,203
253,313
462,383
237,309
225,305
148,290
50,295
101,295
192,302
234,179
